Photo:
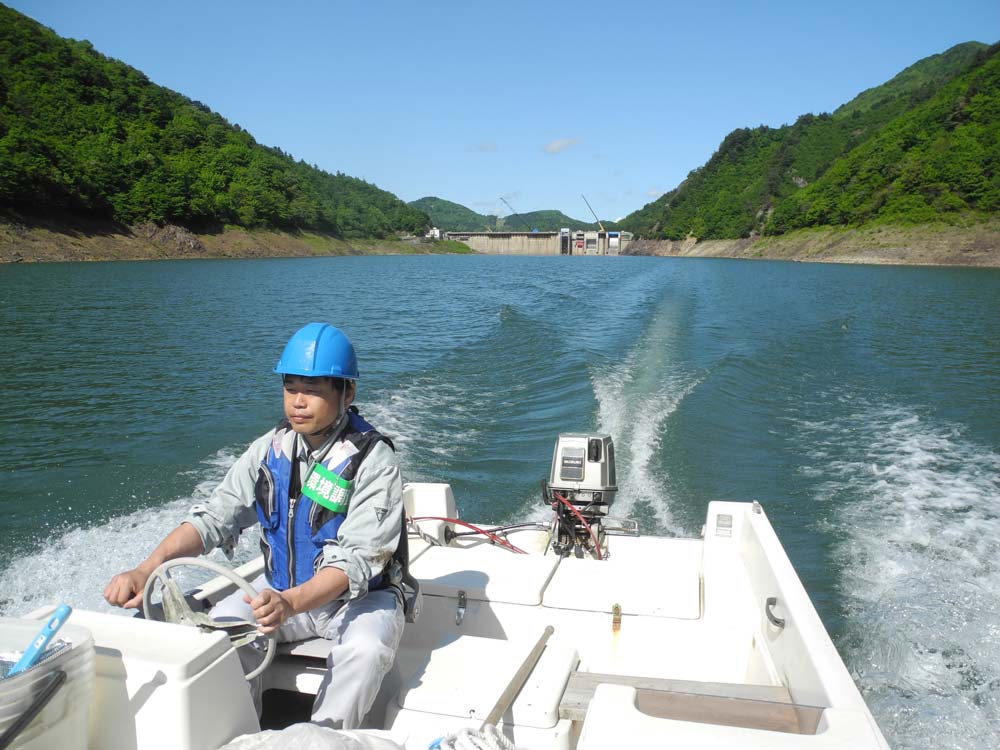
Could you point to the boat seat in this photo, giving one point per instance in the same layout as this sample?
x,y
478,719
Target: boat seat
x,y
732,704
434,686
625,716
670,587
298,666
484,572
311,648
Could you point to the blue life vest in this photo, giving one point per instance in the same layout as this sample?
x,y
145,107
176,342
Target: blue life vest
x,y
293,528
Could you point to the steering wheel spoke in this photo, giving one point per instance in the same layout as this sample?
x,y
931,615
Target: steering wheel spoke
x,y
175,608
240,632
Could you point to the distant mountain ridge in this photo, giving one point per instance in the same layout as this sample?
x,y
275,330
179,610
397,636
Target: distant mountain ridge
x,y
85,135
454,217
944,109
544,221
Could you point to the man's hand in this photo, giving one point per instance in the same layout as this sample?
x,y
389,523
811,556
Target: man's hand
x,y
270,610
125,589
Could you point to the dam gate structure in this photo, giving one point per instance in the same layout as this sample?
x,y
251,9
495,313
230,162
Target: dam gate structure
x,y
563,242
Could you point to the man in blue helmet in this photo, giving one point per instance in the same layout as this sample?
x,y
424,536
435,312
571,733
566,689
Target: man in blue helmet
x,y
325,487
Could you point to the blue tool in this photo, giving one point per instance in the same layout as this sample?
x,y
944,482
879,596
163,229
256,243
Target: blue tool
x,y
34,652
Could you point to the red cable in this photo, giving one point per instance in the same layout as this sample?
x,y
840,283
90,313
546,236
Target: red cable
x,y
494,537
568,504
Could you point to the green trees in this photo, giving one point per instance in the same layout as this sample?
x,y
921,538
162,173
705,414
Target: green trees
x,y
454,217
86,134
938,161
922,147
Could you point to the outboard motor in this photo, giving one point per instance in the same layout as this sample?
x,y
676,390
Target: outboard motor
x,y
581,488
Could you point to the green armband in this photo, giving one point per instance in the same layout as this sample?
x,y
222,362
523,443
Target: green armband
x,y
328,489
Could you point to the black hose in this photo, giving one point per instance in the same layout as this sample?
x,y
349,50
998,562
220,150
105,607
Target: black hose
x,y
509,527
41,700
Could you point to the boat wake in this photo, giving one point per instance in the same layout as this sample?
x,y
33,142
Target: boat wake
x,y
636,398
78,565
918,512
430,413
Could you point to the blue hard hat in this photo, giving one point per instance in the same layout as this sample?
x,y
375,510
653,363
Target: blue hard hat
x,y
319,350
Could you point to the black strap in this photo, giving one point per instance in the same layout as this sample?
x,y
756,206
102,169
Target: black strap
x,y
295,481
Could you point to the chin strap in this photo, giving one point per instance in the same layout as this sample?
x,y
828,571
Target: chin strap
x,y
335,427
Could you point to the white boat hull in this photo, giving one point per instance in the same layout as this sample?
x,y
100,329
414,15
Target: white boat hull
x,y
693,661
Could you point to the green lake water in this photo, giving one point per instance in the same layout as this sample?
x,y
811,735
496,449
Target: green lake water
x,y
860,405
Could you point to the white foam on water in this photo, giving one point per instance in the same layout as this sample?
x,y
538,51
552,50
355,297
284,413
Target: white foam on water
x,y
635,400
919,519
78,563
75,567
433,415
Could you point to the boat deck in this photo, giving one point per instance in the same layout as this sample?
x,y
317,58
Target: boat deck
x,y
688,657
716,645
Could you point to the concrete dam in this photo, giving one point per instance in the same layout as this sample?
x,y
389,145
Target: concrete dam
x,y
563,242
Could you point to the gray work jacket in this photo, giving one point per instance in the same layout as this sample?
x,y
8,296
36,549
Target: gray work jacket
x,y
367,538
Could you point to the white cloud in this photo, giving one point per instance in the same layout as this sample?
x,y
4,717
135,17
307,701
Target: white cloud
x,y
486,147
560,144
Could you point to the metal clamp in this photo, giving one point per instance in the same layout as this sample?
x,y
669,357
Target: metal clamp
x,y
778,622
460,614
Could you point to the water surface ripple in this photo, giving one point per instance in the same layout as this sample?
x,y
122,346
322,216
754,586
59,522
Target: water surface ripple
x,y
858,404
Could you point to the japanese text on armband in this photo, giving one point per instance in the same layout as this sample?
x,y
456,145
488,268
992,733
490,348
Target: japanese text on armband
x,y
328,489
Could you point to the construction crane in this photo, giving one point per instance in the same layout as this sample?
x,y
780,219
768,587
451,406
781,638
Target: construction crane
x,y
591,211
526,227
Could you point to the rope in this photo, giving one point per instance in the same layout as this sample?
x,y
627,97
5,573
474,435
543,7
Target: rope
x,y
487,738
421,533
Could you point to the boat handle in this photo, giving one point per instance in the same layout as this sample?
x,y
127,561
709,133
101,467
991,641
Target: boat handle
x,y
778,622
460,613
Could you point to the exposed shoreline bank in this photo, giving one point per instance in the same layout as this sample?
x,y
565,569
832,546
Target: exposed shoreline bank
x,y
32,241
934,245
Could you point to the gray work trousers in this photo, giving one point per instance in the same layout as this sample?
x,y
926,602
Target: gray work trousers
x,y
363,634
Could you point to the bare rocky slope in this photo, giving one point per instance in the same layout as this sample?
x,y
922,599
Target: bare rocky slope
x,y
976,245
34,241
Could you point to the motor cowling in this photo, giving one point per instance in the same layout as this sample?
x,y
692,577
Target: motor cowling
x,y
582,476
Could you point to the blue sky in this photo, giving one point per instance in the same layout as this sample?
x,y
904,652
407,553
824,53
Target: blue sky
x,y
534,101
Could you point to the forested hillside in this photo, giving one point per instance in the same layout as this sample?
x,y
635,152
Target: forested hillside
x,y
762,179
87,135
939,161
454,217
543,221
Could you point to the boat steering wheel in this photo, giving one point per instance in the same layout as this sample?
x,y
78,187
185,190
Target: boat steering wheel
x,y
176,609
